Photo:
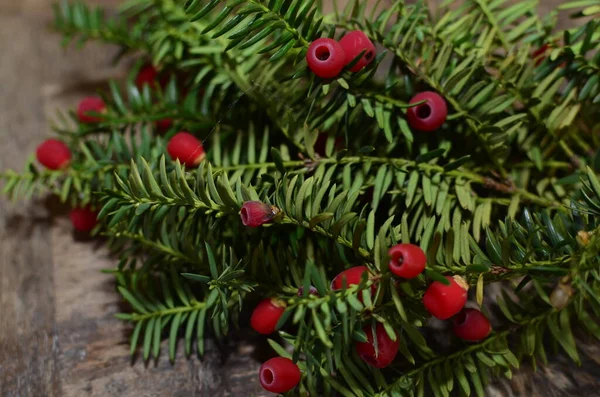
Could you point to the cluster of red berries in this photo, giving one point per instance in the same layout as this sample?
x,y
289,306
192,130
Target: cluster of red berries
x,y
442,301
407,261
326,57
56,155
279,374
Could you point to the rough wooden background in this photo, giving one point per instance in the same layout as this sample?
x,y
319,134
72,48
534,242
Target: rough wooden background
x,y
58,335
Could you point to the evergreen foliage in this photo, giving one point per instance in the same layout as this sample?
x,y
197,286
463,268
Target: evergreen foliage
x,y
505,192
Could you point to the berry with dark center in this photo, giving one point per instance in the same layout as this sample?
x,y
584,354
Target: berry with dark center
x,y
428,116
257,213
279,375
471,325
355,42
186,148
88,106
386,347
266,315
325,58
407,260
53,154
444,301
83,219
146,75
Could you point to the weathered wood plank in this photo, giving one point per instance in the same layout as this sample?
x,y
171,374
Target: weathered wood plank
x,y
28,335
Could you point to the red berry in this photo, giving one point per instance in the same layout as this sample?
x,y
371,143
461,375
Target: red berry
x,y
352,276
163,125
84,219
540,54
257,213
407,260
471,325
266,315
53,154
353,43
428,116
279,375
89,105
444,301
386,347
325,58
146,75
186,148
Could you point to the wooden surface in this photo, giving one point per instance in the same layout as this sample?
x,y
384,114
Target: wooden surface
x,y
58,335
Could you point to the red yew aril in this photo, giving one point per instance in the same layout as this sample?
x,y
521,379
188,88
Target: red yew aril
x,y
279,375
386,347
266,315
471,325
407,260
84,219
53,154
444,301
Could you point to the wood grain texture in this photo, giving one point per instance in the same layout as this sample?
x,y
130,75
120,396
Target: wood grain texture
x,y
28,334
58,334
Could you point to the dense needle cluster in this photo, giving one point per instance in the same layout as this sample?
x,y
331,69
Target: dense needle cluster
x,y
342,181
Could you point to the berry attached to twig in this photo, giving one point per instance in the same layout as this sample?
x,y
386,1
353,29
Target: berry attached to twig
x,y
257,213
279,375
407,260
444,301
53,154
471,325
88,106
325,58
428,116
266,315
355,42
83,219
386,347
186,148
